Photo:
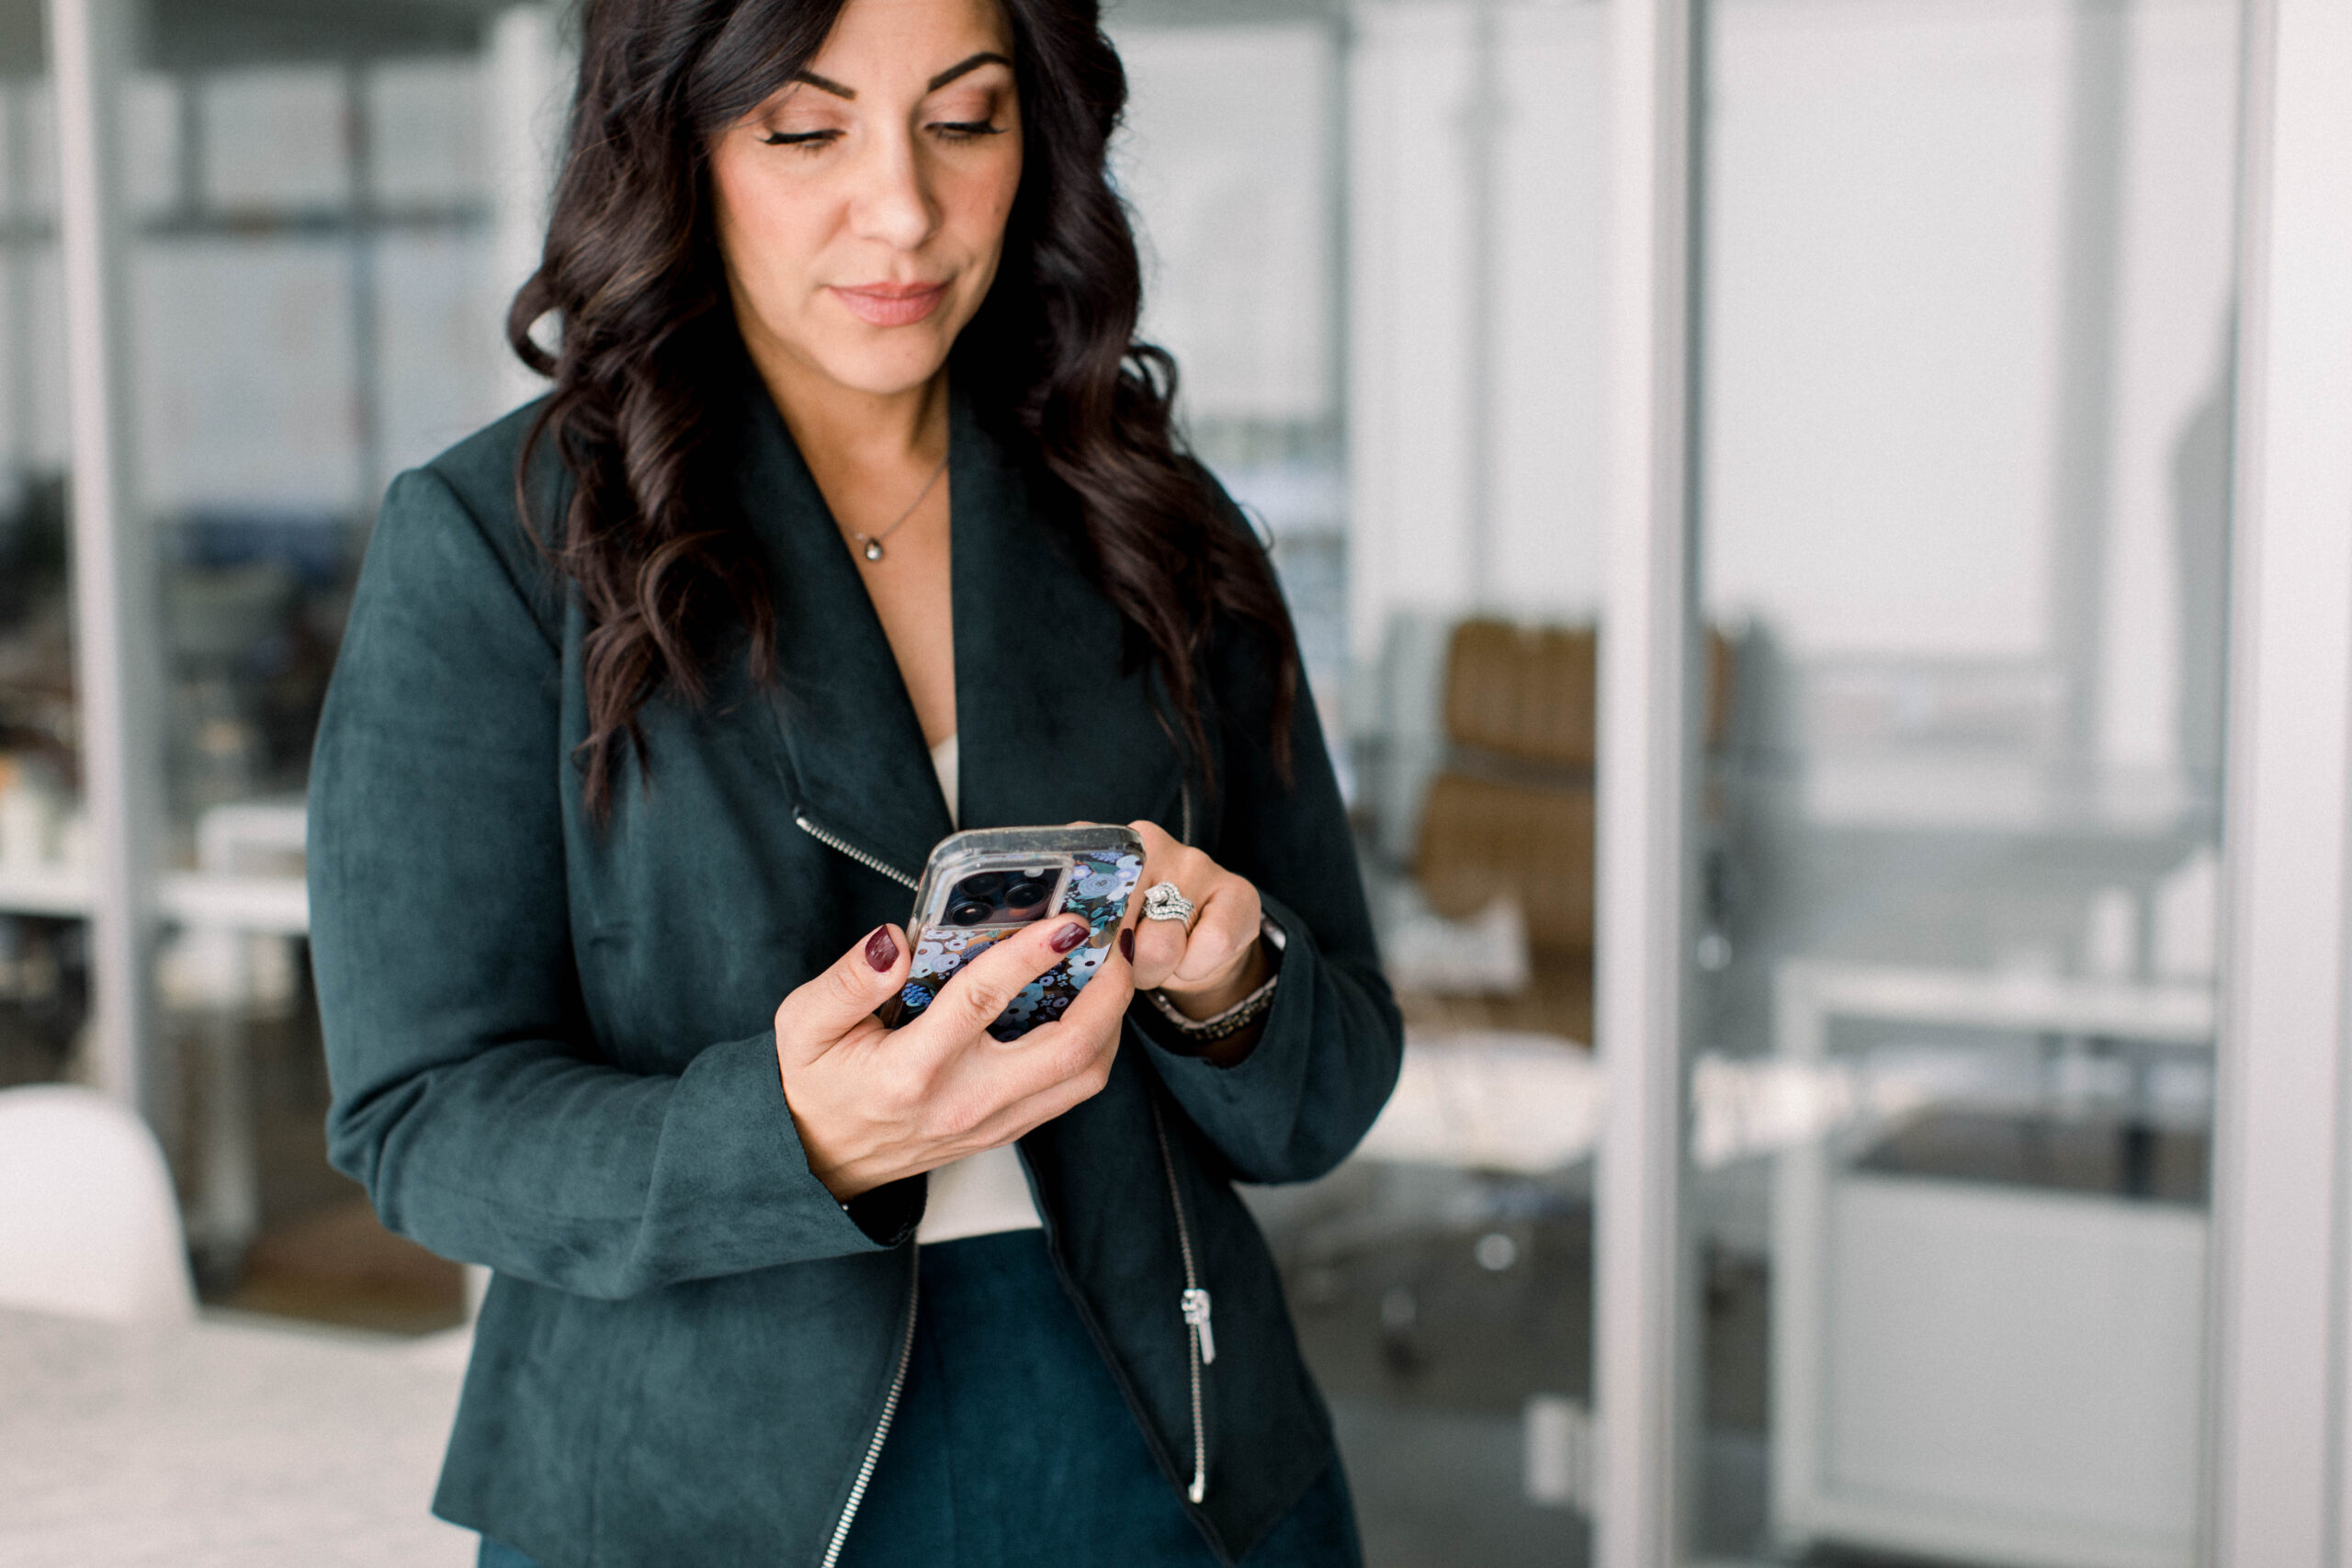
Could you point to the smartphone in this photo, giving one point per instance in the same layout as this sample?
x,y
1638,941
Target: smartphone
x,y
983,887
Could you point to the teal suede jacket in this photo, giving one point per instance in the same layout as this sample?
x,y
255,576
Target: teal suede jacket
x,y
551,1047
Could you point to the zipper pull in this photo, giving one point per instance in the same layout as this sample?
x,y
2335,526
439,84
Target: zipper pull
x,y
1196,1313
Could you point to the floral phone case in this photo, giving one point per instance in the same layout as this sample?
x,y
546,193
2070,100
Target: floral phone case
x,y
983,887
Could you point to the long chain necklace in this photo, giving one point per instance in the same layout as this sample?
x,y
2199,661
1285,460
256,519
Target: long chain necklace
x,y
871,544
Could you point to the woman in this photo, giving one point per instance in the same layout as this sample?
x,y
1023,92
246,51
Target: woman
x,y
850,459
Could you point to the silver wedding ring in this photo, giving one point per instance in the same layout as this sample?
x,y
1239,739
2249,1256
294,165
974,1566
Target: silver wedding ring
x,y
1165,901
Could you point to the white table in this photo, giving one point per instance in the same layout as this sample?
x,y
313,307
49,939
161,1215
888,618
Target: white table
x,y
1974,1371
220,1445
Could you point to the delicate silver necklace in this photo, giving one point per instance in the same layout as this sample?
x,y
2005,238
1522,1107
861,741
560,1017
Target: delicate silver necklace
x,y
871,544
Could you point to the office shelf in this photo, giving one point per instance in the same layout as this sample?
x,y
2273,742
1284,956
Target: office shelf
x,y
58,892
268,905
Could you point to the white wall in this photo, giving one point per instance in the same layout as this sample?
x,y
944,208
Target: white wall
x,y
1410,84
1549,324
2179,180
1886,255
1882,278
1226,162
1454,396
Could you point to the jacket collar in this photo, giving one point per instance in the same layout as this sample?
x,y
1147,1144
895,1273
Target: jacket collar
x,y
1054,725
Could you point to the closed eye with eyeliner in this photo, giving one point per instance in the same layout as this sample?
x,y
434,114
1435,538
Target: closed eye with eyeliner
x,y
976,118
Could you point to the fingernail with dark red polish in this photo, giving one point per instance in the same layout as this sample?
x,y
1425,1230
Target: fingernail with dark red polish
x,y
882,951
1127,945
1069,936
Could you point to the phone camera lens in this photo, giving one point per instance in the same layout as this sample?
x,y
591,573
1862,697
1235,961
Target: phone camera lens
x,y
1028,892
982,888
969,911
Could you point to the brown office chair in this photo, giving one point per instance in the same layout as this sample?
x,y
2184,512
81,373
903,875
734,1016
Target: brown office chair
x,y
1513,812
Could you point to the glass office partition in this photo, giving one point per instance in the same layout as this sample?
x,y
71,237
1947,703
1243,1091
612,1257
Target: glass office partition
x,y
1373,242
1966,297
314,306
44,832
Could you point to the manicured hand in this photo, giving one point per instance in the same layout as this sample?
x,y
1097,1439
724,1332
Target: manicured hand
x,y
874,1105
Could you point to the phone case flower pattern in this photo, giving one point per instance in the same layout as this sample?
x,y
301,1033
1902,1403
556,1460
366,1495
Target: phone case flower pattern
x,y
1101,881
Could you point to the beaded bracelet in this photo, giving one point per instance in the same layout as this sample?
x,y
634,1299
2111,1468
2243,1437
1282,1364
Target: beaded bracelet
x,y
1241,1015
1225,1025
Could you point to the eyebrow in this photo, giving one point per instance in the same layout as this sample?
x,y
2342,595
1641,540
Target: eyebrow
x,y
961,68
824,84
966,67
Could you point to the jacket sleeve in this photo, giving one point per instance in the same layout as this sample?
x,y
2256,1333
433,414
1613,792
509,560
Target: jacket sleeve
x,y
1324,1066
469,1096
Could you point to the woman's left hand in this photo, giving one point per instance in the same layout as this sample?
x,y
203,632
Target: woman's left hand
x,y
1218,960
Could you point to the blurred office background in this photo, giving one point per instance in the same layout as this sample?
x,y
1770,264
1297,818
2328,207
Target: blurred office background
x,y
1964,296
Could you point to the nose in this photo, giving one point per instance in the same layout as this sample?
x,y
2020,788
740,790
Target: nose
x,y
894,204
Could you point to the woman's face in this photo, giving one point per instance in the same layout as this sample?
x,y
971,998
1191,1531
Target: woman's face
x,y
861,211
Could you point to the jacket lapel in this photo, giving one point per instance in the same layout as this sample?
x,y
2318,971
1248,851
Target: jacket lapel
x,y
1055,727
852,748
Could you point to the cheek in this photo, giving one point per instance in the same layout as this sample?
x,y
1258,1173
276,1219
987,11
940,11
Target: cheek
x,y
770,231
981,202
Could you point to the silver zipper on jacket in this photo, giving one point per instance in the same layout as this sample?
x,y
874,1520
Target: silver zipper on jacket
x,y
1200,1338
890,1408
839,845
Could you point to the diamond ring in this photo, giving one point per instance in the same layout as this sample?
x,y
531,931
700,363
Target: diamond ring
x,y
1165,901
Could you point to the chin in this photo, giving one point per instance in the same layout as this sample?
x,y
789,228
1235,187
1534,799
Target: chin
x,y
885,370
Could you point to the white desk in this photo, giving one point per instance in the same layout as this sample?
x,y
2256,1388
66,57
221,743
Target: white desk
x,y
1974,1371
220,1446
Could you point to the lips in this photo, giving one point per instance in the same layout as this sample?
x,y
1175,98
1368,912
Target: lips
x,y
892,304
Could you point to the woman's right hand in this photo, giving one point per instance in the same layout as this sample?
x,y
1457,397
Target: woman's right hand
x,y
875,1105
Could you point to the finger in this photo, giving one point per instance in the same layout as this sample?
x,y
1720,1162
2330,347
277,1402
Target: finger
x,y
1159,948
1163,859
1159,945
1012,1071
1223,929
1103,1002
1051,1069
1158,841
818,1013
1032,1111
980,991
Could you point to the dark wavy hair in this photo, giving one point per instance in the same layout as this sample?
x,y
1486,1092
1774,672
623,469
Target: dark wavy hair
x,y
659,555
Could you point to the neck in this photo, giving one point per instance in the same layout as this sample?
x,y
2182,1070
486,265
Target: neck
x,y
837,426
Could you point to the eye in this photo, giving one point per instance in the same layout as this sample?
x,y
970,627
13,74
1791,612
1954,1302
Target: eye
x,y
808,139
964,130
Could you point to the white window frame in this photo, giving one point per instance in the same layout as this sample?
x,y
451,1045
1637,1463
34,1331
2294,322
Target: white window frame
x,y
118,653
1647,745
2277,1362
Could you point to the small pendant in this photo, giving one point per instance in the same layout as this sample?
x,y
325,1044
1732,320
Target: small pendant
x,y
873,549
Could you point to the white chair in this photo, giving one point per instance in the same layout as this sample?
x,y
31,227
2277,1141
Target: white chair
x,y
89,1227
